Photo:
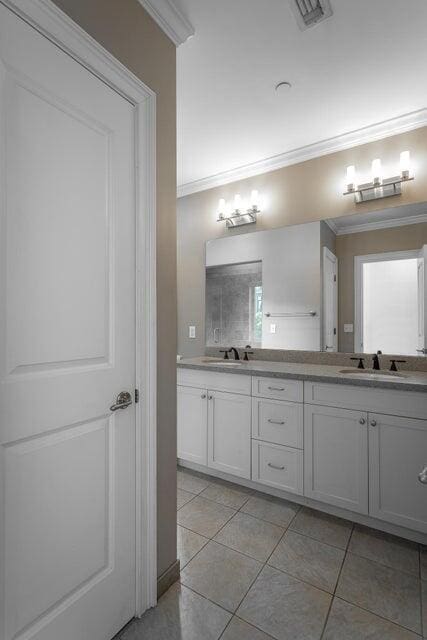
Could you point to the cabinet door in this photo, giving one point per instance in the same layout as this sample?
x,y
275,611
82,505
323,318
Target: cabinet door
x,y
336,457
192,425
397,458
229,433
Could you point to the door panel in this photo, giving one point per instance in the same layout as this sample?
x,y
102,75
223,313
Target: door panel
x,y
67,345
229,433
330,301
397,455
336,457
192,418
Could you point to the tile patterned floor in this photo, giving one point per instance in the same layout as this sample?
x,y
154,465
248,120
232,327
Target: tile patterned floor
x,y
260,568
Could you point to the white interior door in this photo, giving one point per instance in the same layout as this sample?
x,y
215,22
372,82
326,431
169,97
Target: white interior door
x,y
330,301
422,291
67,345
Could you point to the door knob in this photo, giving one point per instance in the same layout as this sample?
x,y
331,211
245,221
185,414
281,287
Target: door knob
x,y
123,400
422,477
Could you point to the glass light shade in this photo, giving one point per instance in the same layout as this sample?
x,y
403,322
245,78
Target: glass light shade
x,y
405,164
377,172
255,199
237,202
221,208
351,178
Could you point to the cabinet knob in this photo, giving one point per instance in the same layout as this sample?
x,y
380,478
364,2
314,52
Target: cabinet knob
x,y
362,421
373,423
210,397
422,477
203,396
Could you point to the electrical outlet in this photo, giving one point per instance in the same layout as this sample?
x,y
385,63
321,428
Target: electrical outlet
x,y
348,328
191,332
272,328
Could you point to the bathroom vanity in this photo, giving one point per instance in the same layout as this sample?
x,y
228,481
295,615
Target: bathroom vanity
x,y
352,444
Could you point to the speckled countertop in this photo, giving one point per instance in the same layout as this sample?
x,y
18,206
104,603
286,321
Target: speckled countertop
x,y
405,380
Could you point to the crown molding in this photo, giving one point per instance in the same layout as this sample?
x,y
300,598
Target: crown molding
x,y
385,129
380,224
170,19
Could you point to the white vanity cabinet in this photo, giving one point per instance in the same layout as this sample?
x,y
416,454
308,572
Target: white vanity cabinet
x,y
397,460
214,421
336,457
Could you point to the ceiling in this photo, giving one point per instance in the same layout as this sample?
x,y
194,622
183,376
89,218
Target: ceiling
x,y
364,65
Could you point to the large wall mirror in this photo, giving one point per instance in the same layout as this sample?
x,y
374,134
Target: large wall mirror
x,y
351,284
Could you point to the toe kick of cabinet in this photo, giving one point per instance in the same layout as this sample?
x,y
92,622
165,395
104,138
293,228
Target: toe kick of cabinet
x,y
278,466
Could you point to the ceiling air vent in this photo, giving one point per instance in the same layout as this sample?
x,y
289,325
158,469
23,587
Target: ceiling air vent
x,y
309,12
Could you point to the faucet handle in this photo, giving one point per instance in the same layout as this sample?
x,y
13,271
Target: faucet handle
x,y
247,353
393,364
361,361
225,352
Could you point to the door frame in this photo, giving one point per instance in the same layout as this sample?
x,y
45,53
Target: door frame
x,y
54,24
328,254
359,261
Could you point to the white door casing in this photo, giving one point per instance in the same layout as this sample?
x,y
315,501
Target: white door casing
x,y
78,165
422,295
330,301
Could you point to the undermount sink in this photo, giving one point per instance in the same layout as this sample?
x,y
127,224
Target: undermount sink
x,y
372,374
221,361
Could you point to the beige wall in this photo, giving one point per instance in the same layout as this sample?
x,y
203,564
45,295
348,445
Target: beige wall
x,y
127,31
303,192
359,244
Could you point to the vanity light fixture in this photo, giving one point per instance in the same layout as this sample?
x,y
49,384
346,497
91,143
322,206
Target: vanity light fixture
x,y
239,213
380,187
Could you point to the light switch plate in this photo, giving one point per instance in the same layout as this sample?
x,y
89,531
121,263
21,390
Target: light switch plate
x,y
348,328
191,332
272,328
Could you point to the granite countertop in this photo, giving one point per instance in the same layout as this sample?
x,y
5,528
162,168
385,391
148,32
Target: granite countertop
x,y
404,380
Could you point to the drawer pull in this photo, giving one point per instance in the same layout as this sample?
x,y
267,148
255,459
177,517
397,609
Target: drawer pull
x,y
276,421
422,477
275,466
276,388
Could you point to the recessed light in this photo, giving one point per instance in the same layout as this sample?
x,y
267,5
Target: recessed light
x,y
283,87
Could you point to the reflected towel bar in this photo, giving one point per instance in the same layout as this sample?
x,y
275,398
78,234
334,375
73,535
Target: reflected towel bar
x,y
297,314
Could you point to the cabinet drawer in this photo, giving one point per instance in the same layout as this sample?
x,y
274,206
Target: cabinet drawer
x,y
278,389
277,466
278,422
214,380
412,404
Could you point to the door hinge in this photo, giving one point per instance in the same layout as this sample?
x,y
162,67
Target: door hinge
x,y
335,278
136,396
335,331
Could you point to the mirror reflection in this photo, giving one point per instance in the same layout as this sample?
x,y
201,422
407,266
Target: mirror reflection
x,y
353,284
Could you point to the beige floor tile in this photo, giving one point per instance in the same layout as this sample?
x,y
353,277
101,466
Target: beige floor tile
x,y
391,594
180,615
272,510
191,482
240,630
188,543
224,494
182,497
347,622
322,527
285,607
204,516
386,549
251,536
221,575
307,559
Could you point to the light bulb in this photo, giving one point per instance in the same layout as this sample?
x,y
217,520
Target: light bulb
x,y
377,172
221,208
351,178
405,165
255,199
237,202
